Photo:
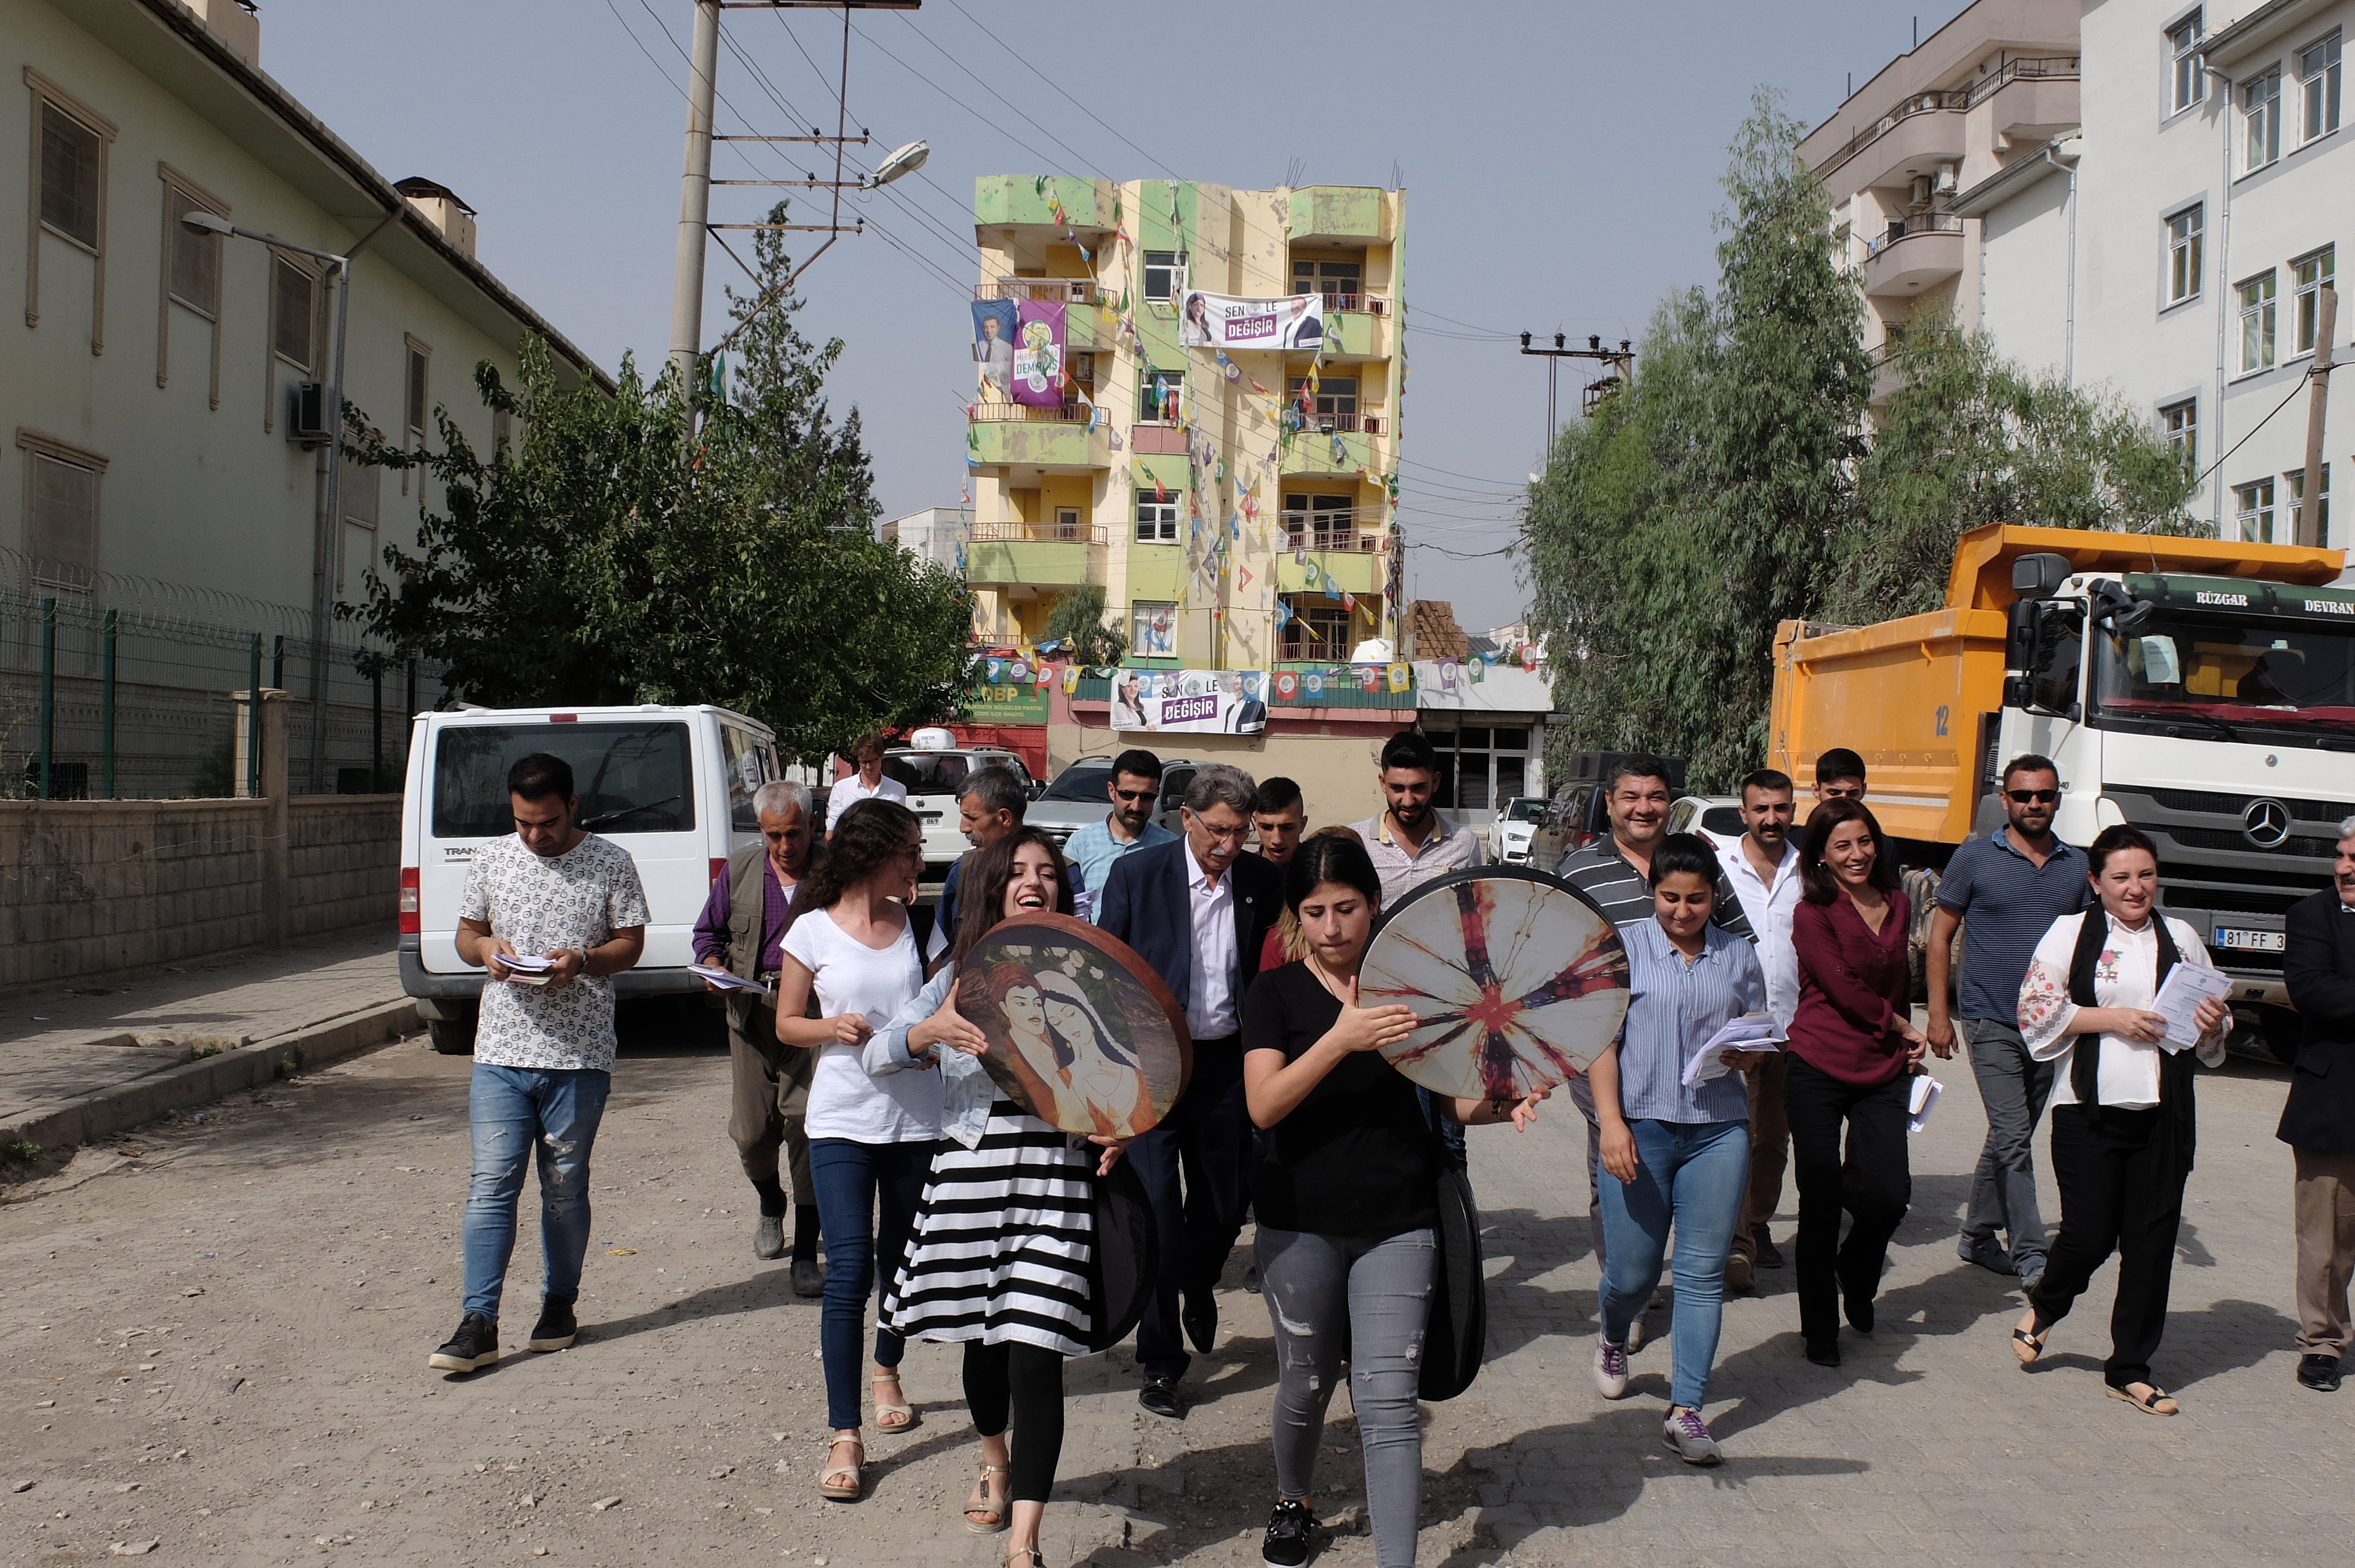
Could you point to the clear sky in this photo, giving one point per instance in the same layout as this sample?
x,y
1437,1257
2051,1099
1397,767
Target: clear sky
x,y
1559,157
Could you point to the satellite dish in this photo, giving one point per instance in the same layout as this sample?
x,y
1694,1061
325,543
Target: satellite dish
x,y
906,160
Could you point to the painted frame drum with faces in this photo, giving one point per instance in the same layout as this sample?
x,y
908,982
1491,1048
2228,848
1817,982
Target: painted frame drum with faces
x,y
1083,1033
1515,979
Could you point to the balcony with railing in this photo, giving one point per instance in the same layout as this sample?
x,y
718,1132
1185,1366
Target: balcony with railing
x,y
1055,440
1913,253
1333,530
1064,553
1347,424
1058,291
1928,126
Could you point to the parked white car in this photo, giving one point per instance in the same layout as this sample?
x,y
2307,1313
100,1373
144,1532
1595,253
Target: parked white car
x,y
1517,824
1717,818
932,775
671,784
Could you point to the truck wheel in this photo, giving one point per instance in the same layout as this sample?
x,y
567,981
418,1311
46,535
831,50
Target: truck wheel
x,y
450,1036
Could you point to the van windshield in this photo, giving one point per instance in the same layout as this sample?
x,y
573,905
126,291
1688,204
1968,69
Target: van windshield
x,y
631,777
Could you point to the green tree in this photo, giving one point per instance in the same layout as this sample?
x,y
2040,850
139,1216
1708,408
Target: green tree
x,y
1077,621
1970,439
1673,530
658,545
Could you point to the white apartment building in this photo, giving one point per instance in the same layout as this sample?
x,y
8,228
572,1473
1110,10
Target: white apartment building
x,y
2171,245
152,457
937,534
1998,78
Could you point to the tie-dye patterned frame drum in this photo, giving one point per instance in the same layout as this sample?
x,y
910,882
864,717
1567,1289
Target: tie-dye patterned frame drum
x,y
1516,977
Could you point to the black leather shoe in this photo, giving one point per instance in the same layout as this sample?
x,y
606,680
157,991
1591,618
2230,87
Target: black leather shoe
x,y
1769,1254
2319,1373
1159,1395
1827,1354
1200,1319
808,1276
1858,1310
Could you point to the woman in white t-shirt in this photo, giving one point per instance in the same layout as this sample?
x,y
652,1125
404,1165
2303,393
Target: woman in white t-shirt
x,y
2123,1123
869,1138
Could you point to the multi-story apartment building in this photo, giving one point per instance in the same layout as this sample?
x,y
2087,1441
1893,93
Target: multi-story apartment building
x,y
161,424
2150,206
1235,507
1997,81
936,535
2174,248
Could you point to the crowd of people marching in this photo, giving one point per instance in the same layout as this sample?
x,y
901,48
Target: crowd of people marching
x,y
971,1221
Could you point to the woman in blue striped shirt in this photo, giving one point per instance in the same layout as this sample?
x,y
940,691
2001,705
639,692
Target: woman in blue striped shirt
x,y
1679,1154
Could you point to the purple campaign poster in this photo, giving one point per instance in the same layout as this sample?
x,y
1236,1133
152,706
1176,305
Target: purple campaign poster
x,y
1038,354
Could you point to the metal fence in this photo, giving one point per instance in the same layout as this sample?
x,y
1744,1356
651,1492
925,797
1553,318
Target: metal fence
x,y
118,688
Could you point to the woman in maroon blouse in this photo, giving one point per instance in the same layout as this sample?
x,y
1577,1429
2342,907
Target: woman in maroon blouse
x,y
1853,1045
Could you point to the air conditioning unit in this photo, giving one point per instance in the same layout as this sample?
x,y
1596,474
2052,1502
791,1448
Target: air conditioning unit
x,y
1945,181
1083,368
306,414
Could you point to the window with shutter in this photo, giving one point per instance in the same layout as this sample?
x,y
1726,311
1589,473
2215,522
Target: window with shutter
x,y
295,300
61,517
70,162
196,258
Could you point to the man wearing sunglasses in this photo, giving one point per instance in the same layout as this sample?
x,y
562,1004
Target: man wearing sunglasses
x,y
2005,891
1128,827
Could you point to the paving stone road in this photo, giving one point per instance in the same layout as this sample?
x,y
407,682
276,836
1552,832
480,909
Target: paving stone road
x,y
220,1346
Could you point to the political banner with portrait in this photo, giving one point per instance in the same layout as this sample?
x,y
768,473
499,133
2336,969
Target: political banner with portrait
x,y
993,345
1223,321
1038,354
1201,702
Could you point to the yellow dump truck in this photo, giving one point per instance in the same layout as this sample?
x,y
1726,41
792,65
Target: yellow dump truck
x,y
2202,690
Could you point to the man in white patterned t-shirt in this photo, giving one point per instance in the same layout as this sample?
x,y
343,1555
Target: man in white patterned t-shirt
x,y
544,1046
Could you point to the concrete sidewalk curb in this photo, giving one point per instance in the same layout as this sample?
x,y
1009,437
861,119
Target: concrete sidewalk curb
x,y
95,1116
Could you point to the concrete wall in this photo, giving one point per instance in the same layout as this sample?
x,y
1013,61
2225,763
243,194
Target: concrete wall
x,y
95,887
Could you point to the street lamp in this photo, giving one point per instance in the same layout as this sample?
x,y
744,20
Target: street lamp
x,y
323,535
906,161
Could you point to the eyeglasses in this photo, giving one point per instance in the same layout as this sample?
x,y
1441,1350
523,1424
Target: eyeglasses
x,y
2031,797
1131,796
1222,835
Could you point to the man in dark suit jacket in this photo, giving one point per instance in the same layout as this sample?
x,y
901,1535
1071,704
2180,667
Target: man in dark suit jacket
x,y
2318,1122
1199,910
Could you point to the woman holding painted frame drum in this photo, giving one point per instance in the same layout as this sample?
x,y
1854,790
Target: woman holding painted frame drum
x,y
999,1260
2124,1120
1345,1196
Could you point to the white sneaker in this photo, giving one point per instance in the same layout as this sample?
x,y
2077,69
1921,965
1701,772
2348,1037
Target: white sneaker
x,y
1610,1368
1685,1432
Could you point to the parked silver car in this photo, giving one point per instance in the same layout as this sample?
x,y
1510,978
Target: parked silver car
x,y
1081,794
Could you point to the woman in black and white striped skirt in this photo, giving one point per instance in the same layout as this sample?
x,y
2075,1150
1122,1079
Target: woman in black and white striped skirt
x,y
1004,1239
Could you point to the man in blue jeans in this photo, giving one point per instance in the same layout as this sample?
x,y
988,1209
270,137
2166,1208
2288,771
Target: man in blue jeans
x,y
569,902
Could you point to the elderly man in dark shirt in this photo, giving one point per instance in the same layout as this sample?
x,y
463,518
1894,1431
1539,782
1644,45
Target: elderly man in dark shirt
x,y
742,933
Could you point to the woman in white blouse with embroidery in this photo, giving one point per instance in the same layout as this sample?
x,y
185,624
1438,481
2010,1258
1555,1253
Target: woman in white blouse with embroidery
x,y
2123,1114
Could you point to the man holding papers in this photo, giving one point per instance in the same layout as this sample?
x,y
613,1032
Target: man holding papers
x,y
2124,1121
2318,1122
552,913
743,930
1676,1130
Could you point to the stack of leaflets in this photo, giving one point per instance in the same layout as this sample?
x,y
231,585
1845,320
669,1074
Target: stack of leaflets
x,y
1751,1031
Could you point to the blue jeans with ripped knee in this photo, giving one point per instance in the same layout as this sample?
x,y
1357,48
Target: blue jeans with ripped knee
x,y
515,1114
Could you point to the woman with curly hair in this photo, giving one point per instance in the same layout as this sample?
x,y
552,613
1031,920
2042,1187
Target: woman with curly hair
x,y
1005,1238
870,1140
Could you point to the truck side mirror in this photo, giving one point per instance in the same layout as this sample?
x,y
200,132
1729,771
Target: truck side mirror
x,y
2019,635
2039,576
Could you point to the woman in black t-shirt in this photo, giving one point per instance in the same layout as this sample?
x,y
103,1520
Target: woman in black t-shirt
x,y
1345,1196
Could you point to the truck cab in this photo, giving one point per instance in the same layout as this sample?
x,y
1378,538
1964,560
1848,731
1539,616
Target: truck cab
x,y
2215,714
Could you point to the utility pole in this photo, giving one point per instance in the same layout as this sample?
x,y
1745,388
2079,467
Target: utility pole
x,y
695,192
1623,358
695,195
2309,497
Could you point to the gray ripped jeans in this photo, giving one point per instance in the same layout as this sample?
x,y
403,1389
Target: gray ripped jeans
x,y
1335,1296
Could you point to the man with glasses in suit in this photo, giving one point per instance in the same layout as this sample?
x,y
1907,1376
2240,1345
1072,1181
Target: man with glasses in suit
x,y
2319,1121
2005,891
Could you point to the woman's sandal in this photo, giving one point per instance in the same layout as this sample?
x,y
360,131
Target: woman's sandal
x,y
2157,1402
985,1516
2027,1346
884,1414
830,1485
1014,1556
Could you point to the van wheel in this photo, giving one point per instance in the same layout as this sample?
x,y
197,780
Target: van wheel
x,y
450,1036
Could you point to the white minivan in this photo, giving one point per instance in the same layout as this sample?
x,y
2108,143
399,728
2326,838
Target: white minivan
x,y
671,784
